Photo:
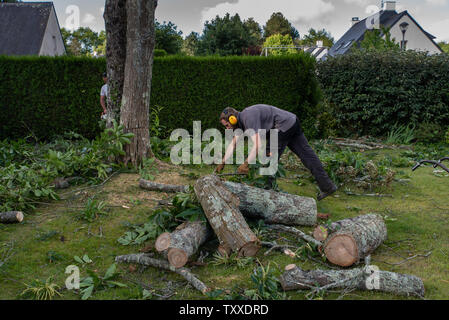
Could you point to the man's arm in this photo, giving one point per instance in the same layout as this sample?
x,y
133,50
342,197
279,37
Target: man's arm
x,y
103,104
230,149
253,153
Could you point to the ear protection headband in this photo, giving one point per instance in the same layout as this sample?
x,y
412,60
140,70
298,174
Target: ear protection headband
x,y
231,119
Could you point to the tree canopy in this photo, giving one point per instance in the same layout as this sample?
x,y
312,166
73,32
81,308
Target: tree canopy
x,y
280,40
168,37
374,41
278,24
313,36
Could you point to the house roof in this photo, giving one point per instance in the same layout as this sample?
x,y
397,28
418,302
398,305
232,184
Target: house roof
x,y
356,33
23,26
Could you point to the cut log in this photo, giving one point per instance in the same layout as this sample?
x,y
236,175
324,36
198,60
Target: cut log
x,y
221,208
368,278
273,207
11,217
148,261
169,188
184,242
353,239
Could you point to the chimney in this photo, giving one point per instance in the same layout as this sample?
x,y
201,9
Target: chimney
x,y
319,43
355,20
389,6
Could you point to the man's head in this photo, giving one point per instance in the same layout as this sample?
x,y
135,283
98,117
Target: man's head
x,y
228,118
105,77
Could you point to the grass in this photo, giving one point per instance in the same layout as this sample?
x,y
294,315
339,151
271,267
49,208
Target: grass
x,y
48,239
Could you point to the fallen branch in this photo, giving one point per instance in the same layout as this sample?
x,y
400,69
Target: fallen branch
x,y
169,188
368,278
144,259
425,255
296,232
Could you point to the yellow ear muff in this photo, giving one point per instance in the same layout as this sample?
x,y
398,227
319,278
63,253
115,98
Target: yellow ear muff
x,y
233,120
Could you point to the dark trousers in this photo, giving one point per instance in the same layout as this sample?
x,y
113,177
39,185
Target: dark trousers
x,y
296,141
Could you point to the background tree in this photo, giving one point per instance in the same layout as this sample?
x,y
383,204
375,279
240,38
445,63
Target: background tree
x,y
224,36
313,36
374,41
280,40
83,41
190,44
278,24
168,38
444,45
255,32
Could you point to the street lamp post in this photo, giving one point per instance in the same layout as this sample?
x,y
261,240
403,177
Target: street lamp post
x,y
404,27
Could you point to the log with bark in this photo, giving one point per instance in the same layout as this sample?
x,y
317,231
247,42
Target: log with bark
x,y
221,208
273,207
368,278
348,241
184,242
144,259
11,217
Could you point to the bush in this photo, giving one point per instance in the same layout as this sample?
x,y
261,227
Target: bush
x,y
46,96
160,53
429,133
369,92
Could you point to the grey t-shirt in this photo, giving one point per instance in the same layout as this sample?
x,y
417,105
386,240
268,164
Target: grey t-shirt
x,y
263,116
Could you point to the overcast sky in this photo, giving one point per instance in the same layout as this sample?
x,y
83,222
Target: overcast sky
x,y
333,15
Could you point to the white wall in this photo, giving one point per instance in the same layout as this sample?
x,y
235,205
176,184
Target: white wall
x,y
416,39
52,44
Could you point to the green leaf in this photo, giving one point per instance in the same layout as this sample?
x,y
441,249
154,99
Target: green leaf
x,y
87,293
110,272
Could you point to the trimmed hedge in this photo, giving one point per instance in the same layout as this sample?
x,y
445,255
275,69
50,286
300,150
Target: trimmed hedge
x,y
49,96
368,93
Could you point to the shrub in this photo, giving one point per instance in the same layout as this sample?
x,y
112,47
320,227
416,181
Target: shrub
x,y
429,133
369,92
160,53
46,96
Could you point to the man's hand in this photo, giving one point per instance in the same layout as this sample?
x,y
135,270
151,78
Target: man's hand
x,y
219,168
244,168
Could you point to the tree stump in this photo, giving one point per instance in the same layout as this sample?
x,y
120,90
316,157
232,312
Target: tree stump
x,y
368,278
351,240
11,217
274,207
184,242
221,208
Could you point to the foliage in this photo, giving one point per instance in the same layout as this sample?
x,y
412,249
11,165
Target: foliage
x,y
94,282
254,30
224,36
444,46
373,41
401,134
278,24
313,36
84,41
39,290
93,208
266,283
190,44
447,136
369,92
148,169
28,172
160,53
278,40
231,260
62,93
428,132
168,38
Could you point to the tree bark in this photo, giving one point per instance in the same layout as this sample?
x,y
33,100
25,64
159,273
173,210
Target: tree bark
x,y
273,207
221,209
359,278
11,217
147,261
115,22
184,242
134,113
351,240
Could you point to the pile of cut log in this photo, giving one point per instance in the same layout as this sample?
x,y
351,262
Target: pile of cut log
x,y
11,217
226,204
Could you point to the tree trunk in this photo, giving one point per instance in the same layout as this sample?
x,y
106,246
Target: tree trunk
x,y
351,240
134,113
274,207
11,217
184,242
148,261
221,209
359,278
115,22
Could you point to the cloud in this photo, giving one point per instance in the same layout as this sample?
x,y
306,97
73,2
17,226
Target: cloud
x,y
88,18
360,3
261,10
437,2
439,29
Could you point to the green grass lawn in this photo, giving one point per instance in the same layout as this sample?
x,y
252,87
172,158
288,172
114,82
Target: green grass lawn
x,y
45,243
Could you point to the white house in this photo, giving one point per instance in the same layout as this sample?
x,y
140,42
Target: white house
x,y
403,28
30,28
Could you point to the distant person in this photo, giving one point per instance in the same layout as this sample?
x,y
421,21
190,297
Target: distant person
x,y
290,134
104,94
